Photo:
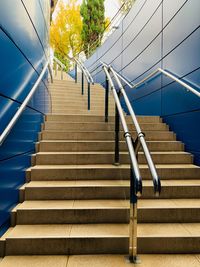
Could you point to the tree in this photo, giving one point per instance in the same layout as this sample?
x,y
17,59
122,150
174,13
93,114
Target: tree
x,y
53,5
65,31
92,12
127,4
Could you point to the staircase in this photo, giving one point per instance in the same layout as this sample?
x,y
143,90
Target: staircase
x,y
76,202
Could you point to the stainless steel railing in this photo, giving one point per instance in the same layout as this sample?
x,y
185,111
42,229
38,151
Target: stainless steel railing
x,y
61,65
140,135
24,104
152,74
133,148
84,74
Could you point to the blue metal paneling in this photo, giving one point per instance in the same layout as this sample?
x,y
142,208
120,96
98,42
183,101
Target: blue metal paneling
x,y
24,40
16,22
159,34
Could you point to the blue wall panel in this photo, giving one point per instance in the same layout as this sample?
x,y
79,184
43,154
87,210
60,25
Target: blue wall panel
x,y
162,34
24,44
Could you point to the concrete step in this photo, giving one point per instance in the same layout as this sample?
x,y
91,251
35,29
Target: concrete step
x,y
82,118
75,108
106,211
106,189
103,171
85,145
58,158
100,126
82,111
77,95
65,108
101,238
69,96
72,85
105,260
103,135
78,102
34,261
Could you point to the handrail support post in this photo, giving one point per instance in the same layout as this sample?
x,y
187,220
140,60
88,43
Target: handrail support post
x,y
106,99
82,84
56,69
76,73
136,145
117,126
133,258
61,73
88,95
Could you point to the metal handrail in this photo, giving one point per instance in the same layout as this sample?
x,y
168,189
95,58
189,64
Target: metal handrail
x,y
85,71
88,76
158,70
135,177
127,135
23,106
60,64
140,136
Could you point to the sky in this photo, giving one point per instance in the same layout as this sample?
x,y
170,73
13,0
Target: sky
x,y
111,7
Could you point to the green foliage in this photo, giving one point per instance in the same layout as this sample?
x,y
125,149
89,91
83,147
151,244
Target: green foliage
x,y
92,12
127,4
65,61
65,31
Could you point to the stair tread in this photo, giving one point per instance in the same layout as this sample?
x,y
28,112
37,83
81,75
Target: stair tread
x,y
107,183
98,141
78,183
110,153
100,131
101,260
152,230
34,261
110,166
100,123
108,204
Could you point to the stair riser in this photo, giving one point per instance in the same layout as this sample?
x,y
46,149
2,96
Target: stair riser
x,y
109,245
100,127
74,97
150,136
80,111
121,215
62,159
77,91
71,106
107,146
68,118
117,173
74,87
79,101
85,193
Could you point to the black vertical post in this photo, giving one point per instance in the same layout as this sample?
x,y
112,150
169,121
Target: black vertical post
x,y
88,95
133,196
106,99
76,73
133,218
82,83
117,134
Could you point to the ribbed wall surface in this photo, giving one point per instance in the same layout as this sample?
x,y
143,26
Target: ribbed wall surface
x,y
24,42
162,34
